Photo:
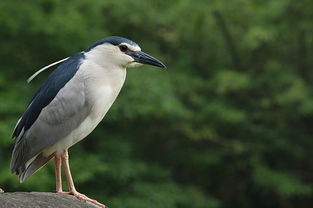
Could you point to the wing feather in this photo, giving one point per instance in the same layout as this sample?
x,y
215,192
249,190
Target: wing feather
x,y
57,108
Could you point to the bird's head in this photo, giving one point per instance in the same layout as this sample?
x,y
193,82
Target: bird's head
x,y
123,52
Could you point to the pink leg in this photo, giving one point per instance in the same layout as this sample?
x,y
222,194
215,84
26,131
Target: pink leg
x,y
70,182
58,177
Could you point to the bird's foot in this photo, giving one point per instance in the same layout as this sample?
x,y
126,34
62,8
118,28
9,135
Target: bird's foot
x,y
83,197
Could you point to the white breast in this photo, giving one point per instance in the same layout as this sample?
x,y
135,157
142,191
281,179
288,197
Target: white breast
x,y
103,84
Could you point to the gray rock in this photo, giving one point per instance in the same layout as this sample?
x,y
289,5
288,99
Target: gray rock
x,y
41,200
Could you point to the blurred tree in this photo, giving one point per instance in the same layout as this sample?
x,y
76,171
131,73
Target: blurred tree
x,y
228,124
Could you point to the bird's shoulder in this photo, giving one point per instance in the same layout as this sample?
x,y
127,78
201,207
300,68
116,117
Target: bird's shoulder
x,y
47,92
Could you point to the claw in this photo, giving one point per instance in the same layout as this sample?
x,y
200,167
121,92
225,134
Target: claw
x,y
83,198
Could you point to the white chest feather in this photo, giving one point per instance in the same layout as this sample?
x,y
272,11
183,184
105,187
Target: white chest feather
x,y
103,84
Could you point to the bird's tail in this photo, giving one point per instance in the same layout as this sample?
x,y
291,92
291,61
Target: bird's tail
x,y
34,166
25,164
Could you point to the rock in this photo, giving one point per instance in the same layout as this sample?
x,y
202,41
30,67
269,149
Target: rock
x,y
41,200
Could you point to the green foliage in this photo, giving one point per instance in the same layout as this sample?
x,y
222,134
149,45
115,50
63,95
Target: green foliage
x,y
280,182
227,124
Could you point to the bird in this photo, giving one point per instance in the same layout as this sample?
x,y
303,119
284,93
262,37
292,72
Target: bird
x,y
69,105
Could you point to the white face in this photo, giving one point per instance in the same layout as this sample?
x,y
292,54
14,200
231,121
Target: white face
x,y
116,54
123,46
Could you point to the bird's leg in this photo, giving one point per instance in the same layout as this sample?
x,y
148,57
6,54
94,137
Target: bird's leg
x,y
67,170
72,190
58,178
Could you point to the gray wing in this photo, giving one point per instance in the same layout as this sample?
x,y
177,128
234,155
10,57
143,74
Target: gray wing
x,y
57,120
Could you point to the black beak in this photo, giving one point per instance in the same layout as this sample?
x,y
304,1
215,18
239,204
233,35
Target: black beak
x,y
143,58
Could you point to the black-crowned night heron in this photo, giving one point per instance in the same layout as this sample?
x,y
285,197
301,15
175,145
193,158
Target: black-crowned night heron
x,y
70,104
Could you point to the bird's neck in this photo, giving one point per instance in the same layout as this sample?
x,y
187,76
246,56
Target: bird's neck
x,y
98,67
104,57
